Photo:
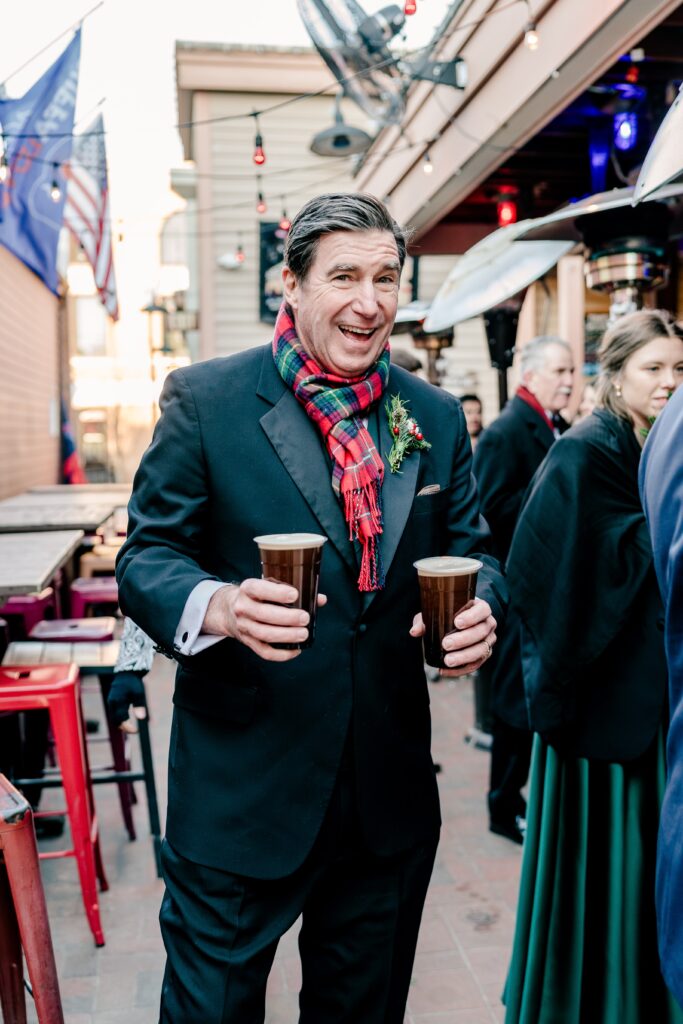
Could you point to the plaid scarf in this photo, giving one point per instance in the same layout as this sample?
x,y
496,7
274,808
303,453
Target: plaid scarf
x,y
336,404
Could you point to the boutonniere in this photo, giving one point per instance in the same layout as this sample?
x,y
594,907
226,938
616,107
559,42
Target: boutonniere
x,y
405,431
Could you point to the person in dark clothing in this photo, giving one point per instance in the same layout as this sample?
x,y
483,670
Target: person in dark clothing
x,y
510,451
582,580
471,406
301,781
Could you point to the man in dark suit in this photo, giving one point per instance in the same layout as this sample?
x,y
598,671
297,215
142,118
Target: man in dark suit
x,y
302,782
508,454
661,484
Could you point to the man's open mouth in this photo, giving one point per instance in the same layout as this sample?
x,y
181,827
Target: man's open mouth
x,y
356,333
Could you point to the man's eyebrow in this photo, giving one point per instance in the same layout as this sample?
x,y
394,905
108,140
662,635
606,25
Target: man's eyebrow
x,y
352,267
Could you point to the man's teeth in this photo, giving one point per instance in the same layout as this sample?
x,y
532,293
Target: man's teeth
x,y
357,330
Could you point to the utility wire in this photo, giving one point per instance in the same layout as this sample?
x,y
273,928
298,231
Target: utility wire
x,y
61,35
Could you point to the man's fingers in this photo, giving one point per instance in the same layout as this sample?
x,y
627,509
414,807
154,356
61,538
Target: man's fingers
x,y
269,590
268,634
470,656
247,609
417,628
478,612
460,639
269,653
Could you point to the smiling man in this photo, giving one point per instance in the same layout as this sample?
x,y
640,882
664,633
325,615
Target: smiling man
x,y
301,782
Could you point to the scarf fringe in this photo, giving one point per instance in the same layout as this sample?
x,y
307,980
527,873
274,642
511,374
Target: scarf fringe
x,y
359,502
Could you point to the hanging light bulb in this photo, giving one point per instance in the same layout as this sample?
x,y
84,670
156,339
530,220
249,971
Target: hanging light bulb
x,y
55,190
427,165
531,37
239,253
259,156
261,204
285,223
409,7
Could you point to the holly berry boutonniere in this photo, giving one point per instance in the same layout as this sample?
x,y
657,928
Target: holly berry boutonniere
x,y
405,431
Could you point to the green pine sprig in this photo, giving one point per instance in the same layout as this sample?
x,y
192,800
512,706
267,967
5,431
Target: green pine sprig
x,y
405,431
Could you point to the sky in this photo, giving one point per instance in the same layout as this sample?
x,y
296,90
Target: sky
x,y
128,72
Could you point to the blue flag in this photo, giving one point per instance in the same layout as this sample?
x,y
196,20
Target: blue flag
x,y
37,130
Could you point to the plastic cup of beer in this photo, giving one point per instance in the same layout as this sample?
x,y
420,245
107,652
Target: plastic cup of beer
x,y
294,558
448,584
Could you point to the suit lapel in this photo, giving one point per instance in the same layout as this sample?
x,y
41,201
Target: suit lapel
x,y
298,445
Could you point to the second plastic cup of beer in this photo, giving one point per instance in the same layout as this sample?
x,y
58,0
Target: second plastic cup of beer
x,y
447,585
294,558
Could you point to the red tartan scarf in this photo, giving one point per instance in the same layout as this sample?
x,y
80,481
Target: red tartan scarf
x,y
336,404
532,401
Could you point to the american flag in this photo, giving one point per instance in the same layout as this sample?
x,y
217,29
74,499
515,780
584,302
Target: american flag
x,y
86,210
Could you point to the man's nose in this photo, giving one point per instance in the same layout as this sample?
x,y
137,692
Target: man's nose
x,y
365,301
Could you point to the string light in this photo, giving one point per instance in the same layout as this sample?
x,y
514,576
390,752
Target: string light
x,y
261,204
531,37
239,253
55,190
4,169
259,156
285,223
427,165
409,7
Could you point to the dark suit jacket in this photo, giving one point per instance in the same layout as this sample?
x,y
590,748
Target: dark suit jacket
x,y
508,454
661,480
255,746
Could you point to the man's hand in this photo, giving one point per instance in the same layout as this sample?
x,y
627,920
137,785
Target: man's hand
x,y
469,647
257,613
126,690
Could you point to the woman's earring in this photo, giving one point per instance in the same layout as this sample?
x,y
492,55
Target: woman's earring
x,y
617,388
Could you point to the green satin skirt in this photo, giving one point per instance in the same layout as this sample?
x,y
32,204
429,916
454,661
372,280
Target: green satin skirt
x,y
585,946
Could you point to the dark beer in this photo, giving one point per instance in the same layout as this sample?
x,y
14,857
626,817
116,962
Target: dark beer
x,y
294,558
447,585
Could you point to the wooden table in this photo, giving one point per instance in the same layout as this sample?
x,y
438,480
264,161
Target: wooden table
x,y
95,491
15,518
28,561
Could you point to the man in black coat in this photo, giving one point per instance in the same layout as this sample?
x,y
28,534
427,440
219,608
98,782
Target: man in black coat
x,y
301,782
508,454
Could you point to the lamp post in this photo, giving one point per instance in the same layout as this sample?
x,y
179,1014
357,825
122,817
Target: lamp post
x,y
156,314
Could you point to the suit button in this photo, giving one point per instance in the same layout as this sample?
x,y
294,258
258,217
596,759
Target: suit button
x,y
362,628
185,635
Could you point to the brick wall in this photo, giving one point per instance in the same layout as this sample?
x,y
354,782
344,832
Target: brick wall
x,y
29,379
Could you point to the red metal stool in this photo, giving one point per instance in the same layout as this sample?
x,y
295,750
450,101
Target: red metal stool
x,y
56,687
29,609
73,631
23,917
89,591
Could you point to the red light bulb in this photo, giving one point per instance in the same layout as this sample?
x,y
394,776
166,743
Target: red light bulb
x,y
507,213
285,223
410,7
259,156
261,205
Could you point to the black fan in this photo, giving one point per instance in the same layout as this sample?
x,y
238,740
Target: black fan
x,y
354,47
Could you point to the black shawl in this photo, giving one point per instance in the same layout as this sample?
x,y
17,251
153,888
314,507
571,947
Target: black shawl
x,y
581,577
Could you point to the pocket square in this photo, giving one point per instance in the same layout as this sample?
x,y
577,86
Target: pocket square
x,y
429,489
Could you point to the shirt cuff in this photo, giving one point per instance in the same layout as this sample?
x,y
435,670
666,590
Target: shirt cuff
x,y
188,638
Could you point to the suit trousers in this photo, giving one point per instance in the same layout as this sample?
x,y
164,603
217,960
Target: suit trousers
x,y
360,920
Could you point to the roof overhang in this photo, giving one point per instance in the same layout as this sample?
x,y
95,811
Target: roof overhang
x,y
512,94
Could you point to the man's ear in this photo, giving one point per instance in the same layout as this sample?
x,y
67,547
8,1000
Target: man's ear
x,y
528,380
290,287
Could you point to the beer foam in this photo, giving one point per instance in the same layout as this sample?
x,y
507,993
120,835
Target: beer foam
x,y
290,541
447,565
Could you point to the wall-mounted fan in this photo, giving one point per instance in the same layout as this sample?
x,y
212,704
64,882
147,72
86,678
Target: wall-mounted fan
x,y
354,45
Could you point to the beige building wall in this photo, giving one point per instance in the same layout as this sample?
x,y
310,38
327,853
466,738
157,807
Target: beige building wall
x,y
29,409
229,299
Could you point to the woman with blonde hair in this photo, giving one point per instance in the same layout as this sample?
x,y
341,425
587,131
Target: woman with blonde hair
x,y
581,578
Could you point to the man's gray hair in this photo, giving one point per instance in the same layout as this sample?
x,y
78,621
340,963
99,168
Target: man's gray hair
x,y
535,353
336,211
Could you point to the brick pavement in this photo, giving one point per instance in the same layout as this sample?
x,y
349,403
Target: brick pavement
x,y
466,931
